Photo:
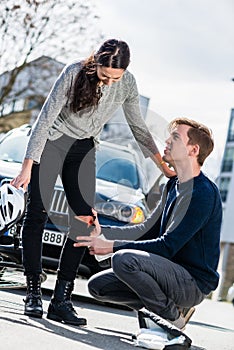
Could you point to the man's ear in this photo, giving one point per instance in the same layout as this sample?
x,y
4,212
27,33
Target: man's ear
x,y
195,150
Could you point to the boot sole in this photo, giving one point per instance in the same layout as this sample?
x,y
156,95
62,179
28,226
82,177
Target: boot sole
x,y
33,314
189,314
59,319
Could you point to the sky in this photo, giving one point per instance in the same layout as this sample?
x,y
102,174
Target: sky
x,y
182,56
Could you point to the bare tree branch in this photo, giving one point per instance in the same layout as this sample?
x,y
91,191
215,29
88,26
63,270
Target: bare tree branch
x,y
63,30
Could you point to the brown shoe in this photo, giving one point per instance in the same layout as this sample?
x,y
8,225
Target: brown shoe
x,y
187,313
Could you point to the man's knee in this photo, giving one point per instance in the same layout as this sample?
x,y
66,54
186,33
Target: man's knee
x,y
124,261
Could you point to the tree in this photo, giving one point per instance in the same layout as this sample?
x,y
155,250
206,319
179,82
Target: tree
x,y
63,30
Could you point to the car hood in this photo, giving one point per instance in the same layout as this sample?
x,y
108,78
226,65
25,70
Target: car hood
x,y
9,169
118,192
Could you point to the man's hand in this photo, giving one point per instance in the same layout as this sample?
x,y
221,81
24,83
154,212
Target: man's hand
x,y
97,245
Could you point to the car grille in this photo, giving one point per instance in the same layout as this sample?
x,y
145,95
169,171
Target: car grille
x,y
59,202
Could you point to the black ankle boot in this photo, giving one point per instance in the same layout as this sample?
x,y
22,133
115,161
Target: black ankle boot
x,y
61,308
33,302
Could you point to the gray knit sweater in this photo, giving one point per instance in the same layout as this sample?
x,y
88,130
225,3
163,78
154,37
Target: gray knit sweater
x,y
56,118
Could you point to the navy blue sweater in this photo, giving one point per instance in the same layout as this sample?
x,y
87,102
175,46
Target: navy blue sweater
x,y
184,228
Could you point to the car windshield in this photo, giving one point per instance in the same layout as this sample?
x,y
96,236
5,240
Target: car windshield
x,y
117,166
12,148
112,164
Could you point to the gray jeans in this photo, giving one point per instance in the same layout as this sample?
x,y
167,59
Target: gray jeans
x,y
140,279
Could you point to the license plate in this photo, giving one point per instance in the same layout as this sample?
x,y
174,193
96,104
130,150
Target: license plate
x,y
53,237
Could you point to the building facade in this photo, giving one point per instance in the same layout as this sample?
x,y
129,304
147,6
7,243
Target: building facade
x,y
31,89
226,186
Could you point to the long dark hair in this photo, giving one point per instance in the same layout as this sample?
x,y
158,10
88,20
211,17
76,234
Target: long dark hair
x,y
114,54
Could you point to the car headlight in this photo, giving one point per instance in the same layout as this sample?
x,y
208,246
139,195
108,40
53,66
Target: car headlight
x,y
123,212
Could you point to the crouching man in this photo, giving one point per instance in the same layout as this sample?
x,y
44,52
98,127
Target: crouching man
x,y
168,264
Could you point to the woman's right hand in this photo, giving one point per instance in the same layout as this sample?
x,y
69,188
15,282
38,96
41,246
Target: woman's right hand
x,y
23,179
163,166
168,172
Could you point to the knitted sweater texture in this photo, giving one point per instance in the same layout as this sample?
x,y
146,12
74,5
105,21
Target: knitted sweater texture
x,y
56,117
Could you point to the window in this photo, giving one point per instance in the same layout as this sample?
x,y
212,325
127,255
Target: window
x,y
228,159
13,106
231,128
223,187
115,166
18,106
12,148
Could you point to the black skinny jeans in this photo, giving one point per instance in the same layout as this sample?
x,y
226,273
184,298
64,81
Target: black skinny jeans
x,y
74,161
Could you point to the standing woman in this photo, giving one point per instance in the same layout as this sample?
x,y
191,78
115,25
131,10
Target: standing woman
x,y
82,100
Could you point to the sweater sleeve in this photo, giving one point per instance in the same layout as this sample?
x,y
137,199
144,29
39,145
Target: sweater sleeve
x,y
190,214
53,105
136,123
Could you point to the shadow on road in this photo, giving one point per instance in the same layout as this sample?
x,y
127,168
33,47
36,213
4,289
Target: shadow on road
x,y
104,331
210,326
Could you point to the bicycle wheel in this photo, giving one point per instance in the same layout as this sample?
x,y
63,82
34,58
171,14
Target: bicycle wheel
x,y
12,274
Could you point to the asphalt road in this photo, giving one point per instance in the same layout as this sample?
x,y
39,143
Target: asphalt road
x,y
211,328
